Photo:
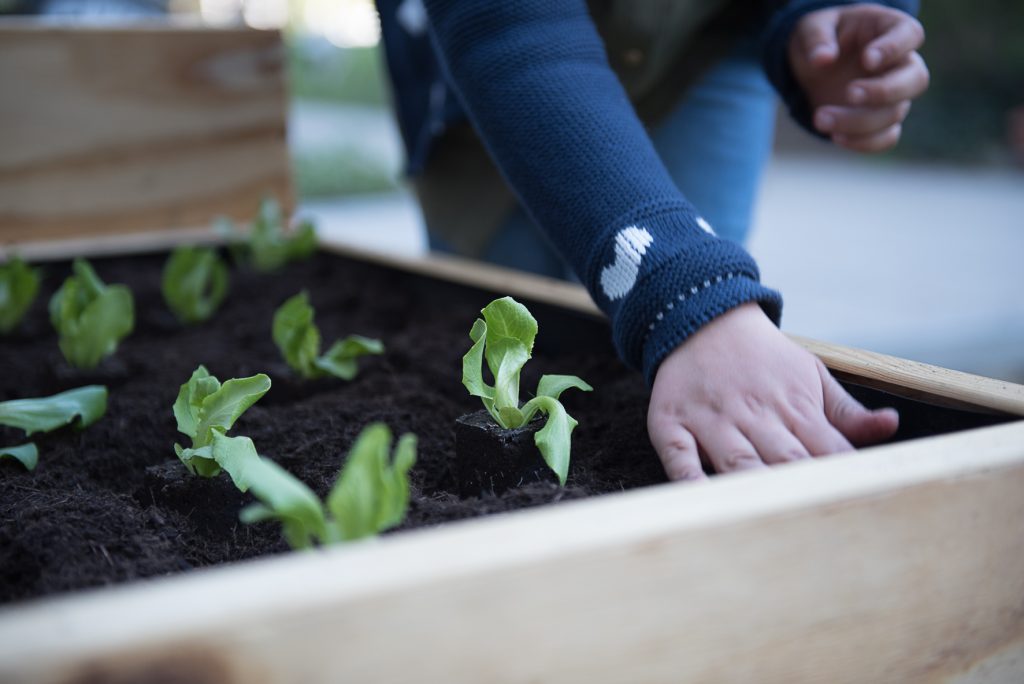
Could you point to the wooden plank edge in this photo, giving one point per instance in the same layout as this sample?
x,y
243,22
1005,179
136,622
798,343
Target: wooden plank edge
x,y
916,380
910,379
113,245
237,608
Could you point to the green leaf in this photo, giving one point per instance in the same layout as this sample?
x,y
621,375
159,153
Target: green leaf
x,y
28,454
554,439
340,359
508,319
198,461
298,338
19,285
221,409
283,497
90,317
472,363
553,385
81,407
205,408
269,246
237,456
511,355
302,243
510,333
190,400
195,282
371,494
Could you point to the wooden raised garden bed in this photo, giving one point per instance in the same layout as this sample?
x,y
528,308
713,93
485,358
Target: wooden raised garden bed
x,y
903,562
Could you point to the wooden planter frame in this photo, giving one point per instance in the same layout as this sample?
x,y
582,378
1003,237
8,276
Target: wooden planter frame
x,y
902,563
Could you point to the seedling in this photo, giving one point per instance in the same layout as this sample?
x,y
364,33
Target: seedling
x,y
298,338
504,339
205,408
370,495
90,316
79,407
19,285
195,282
268,246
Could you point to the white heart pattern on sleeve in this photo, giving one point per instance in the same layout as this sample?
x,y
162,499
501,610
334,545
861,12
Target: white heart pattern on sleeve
x,y
618,278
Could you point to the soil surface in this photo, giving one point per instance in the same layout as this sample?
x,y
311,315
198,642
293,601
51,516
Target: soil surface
x,y
112,503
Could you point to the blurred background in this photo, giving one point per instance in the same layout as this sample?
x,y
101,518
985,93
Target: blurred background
x,y
917,253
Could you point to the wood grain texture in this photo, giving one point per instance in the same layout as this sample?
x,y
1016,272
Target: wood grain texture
x,y
902,563
118,130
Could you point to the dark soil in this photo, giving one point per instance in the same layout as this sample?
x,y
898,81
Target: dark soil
x,y
112,503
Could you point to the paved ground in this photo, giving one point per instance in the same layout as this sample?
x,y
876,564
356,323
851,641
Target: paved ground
x,y
917,261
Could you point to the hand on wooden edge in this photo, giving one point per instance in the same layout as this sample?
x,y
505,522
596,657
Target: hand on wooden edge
x,y
739,394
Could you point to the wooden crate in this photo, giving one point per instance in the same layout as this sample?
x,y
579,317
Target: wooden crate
x,y
112,130
902,563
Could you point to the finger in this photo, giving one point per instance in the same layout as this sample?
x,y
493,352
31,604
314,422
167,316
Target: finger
x,y
905,82
807,420
860,425
873,142
816,36
903,37
677,450
727,449
857,121
774,443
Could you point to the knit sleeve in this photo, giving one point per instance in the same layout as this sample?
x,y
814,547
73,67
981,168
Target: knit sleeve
x,y
535,81
783,18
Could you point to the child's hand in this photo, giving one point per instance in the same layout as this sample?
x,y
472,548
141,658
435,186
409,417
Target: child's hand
x,y
739,394
859,67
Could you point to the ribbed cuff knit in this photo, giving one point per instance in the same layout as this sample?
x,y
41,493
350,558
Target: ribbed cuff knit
x,y
661,274
775,52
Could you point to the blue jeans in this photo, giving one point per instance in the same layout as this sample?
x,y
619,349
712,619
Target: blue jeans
x,y
715,145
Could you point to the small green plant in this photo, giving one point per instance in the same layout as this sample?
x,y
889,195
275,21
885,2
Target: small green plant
x,y
268,245
195,282
90,316
504,339
370,495
79,407
298,338
205,408
19,285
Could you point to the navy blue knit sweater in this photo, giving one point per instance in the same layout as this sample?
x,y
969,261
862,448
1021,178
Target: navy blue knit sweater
x,y
534,79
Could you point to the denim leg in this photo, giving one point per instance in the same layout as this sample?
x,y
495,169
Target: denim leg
x,y
521,244
716,142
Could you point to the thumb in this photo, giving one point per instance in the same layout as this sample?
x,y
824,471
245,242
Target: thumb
x,y
858,424
816,37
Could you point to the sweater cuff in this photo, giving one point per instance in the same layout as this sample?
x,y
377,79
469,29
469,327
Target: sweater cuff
x,y
666,275
775,53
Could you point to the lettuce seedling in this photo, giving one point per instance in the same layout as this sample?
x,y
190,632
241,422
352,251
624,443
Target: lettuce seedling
x,y
80,407
504,339
298,338
370,495
90,316
19,285
195,282
269,246
204,408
